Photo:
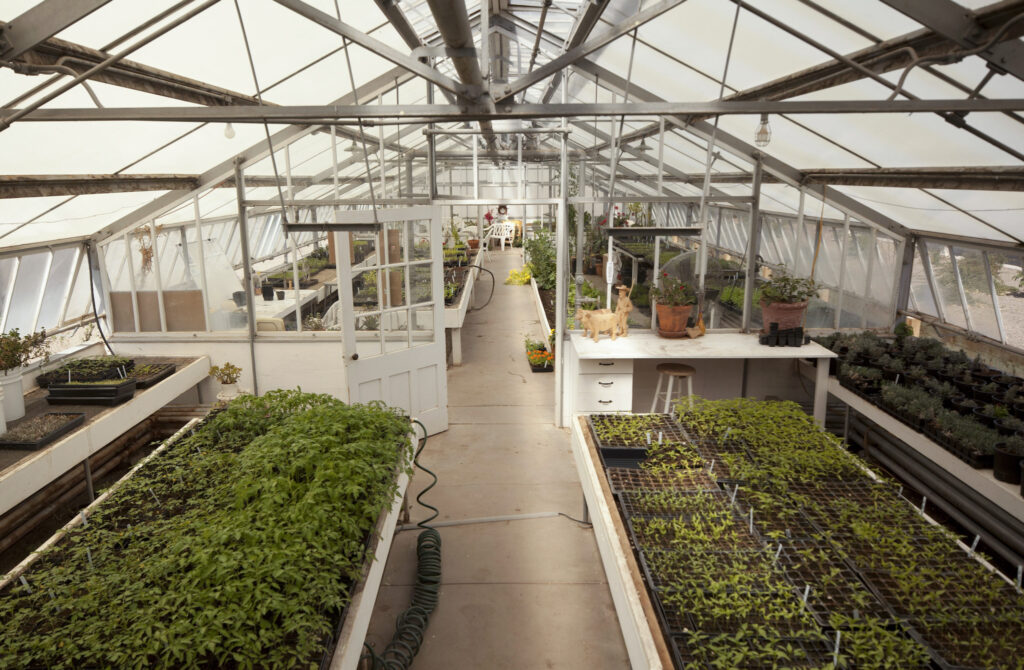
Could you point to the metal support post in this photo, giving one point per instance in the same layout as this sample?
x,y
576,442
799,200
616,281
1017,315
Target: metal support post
x,y
753,247
243,231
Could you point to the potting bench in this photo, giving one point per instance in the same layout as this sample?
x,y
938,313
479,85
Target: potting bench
x,y
601,373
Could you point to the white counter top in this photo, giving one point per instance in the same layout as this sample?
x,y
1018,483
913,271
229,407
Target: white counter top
x,y
712,345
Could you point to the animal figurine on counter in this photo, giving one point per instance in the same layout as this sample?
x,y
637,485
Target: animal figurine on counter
x,y
597,321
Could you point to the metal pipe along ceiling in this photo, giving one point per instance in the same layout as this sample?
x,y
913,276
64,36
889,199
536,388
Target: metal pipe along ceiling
x,y
453,23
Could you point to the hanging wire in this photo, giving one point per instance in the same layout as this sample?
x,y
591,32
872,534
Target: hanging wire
x,y
266,126
362,135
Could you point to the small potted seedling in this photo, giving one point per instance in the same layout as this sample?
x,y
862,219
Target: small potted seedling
x,y
227,374
16,350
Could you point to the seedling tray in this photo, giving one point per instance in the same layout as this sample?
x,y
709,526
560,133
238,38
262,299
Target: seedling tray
x,y
786,518
635,479
75,419
810,652
91,394
661,566
657,423
164,371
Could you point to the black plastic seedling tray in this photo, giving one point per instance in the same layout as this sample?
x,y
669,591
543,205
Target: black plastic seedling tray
x,y
75,419
152,379
91,394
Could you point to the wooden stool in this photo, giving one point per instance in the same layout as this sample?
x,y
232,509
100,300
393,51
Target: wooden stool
x,y
671,371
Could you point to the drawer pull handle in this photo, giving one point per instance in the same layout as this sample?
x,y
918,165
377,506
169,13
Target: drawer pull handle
x,y
605,364
605,384
605,402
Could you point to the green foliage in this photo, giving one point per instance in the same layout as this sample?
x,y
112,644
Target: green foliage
x,y
235,547
540,258
227,373
671,291
89,369
17,350
784,287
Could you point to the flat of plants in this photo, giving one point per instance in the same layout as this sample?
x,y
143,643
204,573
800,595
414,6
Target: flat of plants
x,y
963,405
37,432
809,548
636,479
151,374
99,392
634,430
236,547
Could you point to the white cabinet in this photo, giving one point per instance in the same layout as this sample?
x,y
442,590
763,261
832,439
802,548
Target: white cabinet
x,y
604,386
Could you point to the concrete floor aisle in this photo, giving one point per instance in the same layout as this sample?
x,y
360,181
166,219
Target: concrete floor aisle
x,y
521,594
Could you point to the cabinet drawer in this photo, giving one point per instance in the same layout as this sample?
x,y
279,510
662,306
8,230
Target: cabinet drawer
x,y
606,366
618,383
603,402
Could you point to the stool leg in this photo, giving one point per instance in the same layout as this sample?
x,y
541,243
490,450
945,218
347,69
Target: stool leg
x,y
657,392
689,389
668,395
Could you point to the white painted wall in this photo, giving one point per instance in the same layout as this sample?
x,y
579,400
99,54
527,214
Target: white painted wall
x,y
721,378
313,363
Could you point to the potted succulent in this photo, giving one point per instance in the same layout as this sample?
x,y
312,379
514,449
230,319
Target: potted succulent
x,y
15,351
674,301
227,374
784,300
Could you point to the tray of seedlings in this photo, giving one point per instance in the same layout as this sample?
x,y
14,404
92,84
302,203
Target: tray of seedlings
x,y
247,503
96,368
750,651
628,436
645,479
105,392
775,517
150,374
39,431
685,519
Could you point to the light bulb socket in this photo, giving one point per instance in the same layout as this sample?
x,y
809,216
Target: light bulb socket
x,y
764,132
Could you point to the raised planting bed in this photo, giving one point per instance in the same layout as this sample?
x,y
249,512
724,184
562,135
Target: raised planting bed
x,y
108,392
237,546
39,431
813,546
149,374
95,368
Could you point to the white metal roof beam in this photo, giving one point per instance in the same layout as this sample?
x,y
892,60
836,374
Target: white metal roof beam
x,y
961,25
791,175
576,53
41,22
585,24
374,45
371,89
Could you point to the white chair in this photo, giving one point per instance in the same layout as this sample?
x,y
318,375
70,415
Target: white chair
x,y
503,230
332,317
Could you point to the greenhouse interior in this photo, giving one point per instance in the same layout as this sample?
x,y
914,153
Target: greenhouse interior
x,y
512,334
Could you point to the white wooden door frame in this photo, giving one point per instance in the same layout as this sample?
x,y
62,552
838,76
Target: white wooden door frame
x,y
412,377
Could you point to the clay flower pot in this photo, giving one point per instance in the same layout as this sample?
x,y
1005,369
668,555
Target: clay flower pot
x,y
787,314
672,319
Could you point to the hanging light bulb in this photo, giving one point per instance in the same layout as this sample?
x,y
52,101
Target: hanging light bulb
x,y
764,132
643,145
229,131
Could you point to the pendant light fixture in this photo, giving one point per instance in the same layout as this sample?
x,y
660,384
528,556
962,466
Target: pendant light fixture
x,y
764,132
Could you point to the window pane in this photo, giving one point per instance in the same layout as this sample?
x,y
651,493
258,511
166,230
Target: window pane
x,y
420,283
946,283
423,326
921,298
368,335
28,288
977,289
57,286
395,326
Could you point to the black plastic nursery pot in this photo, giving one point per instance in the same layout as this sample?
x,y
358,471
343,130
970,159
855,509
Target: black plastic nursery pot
x,y
91,394
268,292
1006,465
74,420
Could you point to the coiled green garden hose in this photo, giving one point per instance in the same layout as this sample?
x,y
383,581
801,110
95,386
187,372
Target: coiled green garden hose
x,y
411,623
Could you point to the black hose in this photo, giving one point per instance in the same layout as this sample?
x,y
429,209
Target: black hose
x,y
412,623
492,290
92,297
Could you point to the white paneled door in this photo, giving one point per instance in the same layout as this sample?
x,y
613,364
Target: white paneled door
x,y
393,312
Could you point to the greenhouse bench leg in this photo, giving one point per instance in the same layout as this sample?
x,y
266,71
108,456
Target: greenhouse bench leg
x,y
456,346
820,391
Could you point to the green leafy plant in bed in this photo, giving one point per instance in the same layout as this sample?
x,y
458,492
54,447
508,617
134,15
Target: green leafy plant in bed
x,y
236,547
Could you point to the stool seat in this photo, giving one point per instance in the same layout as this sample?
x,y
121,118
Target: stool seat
x,y
676,369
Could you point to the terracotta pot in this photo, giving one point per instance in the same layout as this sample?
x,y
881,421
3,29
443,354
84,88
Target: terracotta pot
x,y
473,244
787,315
672,319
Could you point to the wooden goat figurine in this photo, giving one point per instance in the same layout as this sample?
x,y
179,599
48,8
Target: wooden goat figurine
x,y
597,321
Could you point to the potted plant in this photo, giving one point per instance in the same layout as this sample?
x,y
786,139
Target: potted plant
x,y
1006,461
227,374
15,351
784,300
674,301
